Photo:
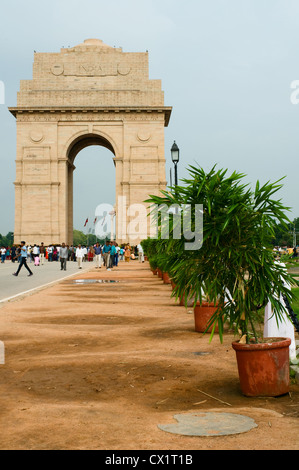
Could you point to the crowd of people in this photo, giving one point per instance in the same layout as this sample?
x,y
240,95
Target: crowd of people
x,y
108,254
280,251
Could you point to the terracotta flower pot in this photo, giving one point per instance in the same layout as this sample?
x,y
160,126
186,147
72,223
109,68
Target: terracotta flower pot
x,y
202,316
155,272
182,302
264,367
160,273
166,278
190,302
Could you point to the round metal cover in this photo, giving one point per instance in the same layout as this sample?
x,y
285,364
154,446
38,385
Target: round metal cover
x,y
94,281
209,424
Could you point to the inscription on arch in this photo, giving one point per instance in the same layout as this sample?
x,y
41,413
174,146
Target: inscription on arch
x,y
89,69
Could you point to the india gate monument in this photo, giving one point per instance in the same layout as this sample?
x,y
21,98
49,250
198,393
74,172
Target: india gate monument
x,y
91,94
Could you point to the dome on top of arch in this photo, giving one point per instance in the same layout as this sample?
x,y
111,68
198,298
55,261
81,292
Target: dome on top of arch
x,y
95,42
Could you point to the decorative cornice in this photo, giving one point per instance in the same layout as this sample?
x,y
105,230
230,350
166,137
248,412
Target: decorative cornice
x,y
37,183
143,183
166,110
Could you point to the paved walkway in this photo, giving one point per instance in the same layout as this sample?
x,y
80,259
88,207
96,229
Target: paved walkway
x,y
101,365
11,286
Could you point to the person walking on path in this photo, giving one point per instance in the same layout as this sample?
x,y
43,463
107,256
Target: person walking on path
x,y
98,255
140,253
112,255
84,253
23,261
29,254
18,254
90,254
3,254
79,256
50,253
13,253
42,251
127,253
106,254
35,252
63,256
116,258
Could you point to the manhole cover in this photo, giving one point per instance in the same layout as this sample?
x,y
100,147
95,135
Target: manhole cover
x,y
94,281
209,424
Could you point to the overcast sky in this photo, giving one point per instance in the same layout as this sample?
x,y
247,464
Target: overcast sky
x,y
226,68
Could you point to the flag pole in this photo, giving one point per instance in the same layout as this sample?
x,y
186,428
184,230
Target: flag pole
x,y
94,223
85,225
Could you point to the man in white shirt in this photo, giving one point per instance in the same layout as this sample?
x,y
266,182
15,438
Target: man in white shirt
x,y
58,253
35,251
63,256
140,253
98,255
3,254
50,253
79,256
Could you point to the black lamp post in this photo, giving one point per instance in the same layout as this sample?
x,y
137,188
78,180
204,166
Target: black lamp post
x,y
175,156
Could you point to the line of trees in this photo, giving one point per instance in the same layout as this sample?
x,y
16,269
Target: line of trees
x,y
283,236
6,240
81,238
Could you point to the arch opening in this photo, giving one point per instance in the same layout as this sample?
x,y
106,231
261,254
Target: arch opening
x,y
87,140
91,181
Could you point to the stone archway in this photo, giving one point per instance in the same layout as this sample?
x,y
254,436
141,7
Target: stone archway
x,y
86,95
80,143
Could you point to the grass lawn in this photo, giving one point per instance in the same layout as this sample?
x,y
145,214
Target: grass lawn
x,y
295,305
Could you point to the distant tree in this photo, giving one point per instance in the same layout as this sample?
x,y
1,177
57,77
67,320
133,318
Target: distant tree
x,y
284,234
7,240
81,238
10,238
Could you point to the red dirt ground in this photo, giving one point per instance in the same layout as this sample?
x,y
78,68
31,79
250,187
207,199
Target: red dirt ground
x,y
100,366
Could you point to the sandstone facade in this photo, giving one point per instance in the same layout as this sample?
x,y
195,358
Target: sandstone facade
x,y
92,94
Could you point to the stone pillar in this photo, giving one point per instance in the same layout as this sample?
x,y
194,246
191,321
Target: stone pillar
x,y
70,204
63,201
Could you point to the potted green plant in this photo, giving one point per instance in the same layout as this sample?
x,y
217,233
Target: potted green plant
x,y
163,260
149,248
153,265
158,257
235,270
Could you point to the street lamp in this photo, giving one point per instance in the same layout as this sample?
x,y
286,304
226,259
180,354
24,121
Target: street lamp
x,y
175,156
